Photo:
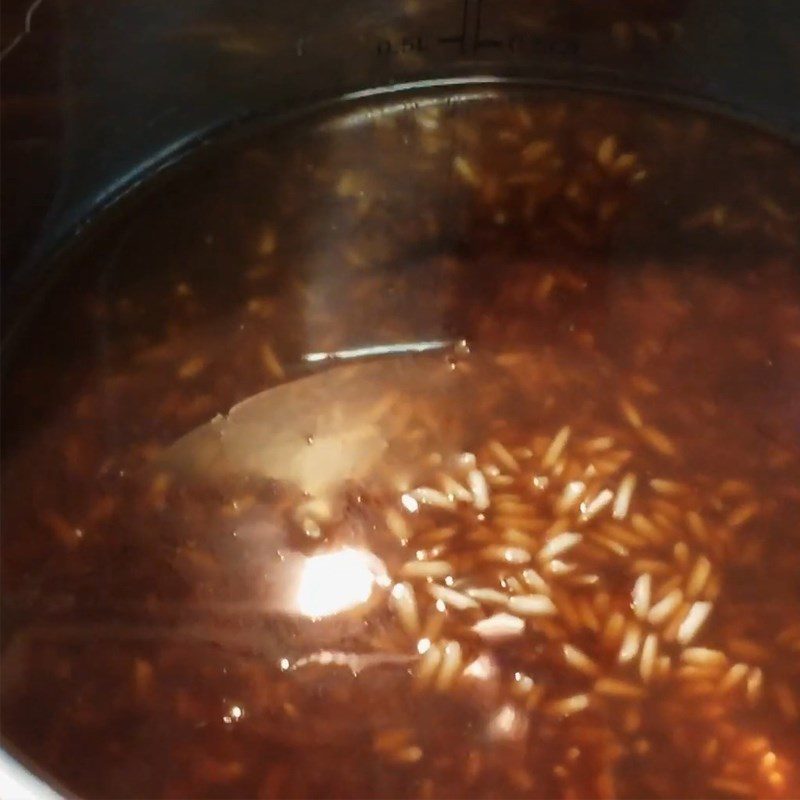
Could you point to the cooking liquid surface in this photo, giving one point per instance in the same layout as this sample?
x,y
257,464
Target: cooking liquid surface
x,y
554,554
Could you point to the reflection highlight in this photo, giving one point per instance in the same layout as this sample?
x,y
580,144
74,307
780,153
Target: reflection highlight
x,y
337,581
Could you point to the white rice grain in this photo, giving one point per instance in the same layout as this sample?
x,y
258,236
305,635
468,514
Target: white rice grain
x,y
733,677
479,489
667,487
744,513
669,633
611,544
450,666
631,413
452,488
703,656
539,482
591,508
432,497
681,553
519,539
559,567
487,596
755,683
466,461
428,664
503,456
556,448
398,525
559,544
658,440
466,171
693,621
697,526
426,569
531,605
403,602
409,503
698,578
623,535
640,595
647,661
507,724
579,660
452,598
665,607
438,536
536,151
644,527
482,668
598,444
505,555
624,496
406,755
613,630
568,705
499,627
570,496
535,581
606,150
612,687
630,643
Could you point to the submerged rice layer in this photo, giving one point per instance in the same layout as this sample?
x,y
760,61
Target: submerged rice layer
x,y
588,583
573,593
588,523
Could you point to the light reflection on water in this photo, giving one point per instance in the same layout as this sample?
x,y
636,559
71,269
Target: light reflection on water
x,y
338,581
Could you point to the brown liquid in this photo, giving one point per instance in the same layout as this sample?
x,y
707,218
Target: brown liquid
x,y
626,279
